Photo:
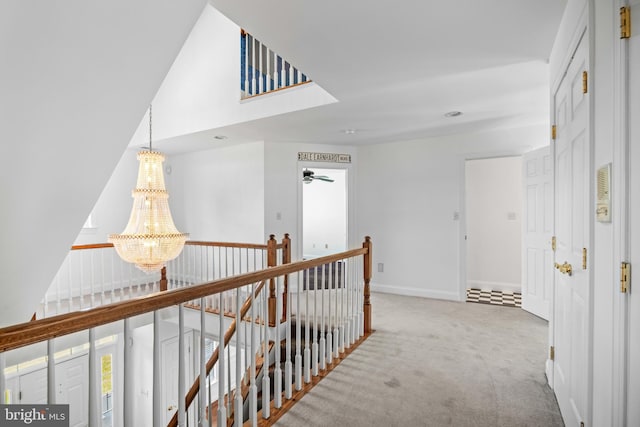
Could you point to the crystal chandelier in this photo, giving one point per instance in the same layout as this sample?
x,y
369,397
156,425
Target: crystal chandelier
x,y
150,238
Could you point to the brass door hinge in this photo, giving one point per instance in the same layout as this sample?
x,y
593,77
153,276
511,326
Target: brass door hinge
x,y
625,277
584,258
552,353
553,243
585,84
553,132
625,22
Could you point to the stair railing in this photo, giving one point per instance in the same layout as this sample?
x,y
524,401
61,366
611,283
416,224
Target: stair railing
x,y
263,71
331,299
336,286
93,275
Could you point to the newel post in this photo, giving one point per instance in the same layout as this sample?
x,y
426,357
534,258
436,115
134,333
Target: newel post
x,y
286,259
368,261
272,260
163,279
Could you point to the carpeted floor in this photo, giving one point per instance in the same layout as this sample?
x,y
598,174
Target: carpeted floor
x,y
438,363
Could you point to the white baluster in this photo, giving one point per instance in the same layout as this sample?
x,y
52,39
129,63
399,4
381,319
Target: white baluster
x,y
222,413
181,369
58,300
329,350
288,366
298,358
291,74
95,414
361,301
113,278
355,301
276,80
158,412
3,380
253,390
260,73
128,391
210,415
51,373
338,335
70,287
307,332
277,373
267,75
283,74
314,345
266,383
246,64
253,66
238,404
323,343
299,76
202,410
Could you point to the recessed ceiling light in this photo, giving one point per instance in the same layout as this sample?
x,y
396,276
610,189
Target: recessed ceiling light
x,y
453,114
349,131
220,137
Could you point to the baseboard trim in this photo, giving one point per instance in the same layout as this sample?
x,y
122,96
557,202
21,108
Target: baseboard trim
x,y
494,286
416,292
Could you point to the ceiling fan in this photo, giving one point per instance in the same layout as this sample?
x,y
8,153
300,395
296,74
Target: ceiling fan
x,y
308,176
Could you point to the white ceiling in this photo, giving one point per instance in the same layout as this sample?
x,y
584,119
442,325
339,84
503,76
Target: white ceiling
x,y
397,67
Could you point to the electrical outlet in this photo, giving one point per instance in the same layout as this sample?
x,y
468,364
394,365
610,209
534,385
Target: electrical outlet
x,y
278,216
456,216
380,267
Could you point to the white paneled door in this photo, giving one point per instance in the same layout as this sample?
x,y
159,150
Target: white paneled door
x,y
73,388
571,378
537,265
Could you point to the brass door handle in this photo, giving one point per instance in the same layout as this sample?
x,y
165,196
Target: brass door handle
x,y
564,268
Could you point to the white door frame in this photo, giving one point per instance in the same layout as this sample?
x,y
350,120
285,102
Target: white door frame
x,y
462,218
352,238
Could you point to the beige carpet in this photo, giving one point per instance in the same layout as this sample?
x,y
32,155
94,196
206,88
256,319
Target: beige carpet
x,y
438,363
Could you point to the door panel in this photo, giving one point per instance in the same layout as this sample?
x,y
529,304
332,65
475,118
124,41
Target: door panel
x,y
33,388
73,388
572,215
537,270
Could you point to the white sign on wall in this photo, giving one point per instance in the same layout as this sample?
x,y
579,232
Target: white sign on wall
x,y
324,157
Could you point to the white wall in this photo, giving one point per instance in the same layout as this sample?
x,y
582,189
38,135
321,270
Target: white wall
x,y
202,89
325,214
219,194
407,195
111,212
76,79
494,226
283,190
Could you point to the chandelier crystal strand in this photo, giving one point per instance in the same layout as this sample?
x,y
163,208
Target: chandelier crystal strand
x,y
150,238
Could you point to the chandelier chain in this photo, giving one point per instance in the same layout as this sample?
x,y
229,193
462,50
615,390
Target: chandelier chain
x,y
150,127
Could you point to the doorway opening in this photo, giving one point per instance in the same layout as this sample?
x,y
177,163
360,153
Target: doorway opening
x,y
494,230
324,213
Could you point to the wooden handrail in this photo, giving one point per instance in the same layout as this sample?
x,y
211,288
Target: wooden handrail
x,y
189,243
195,387
27,333
91,246
230,244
